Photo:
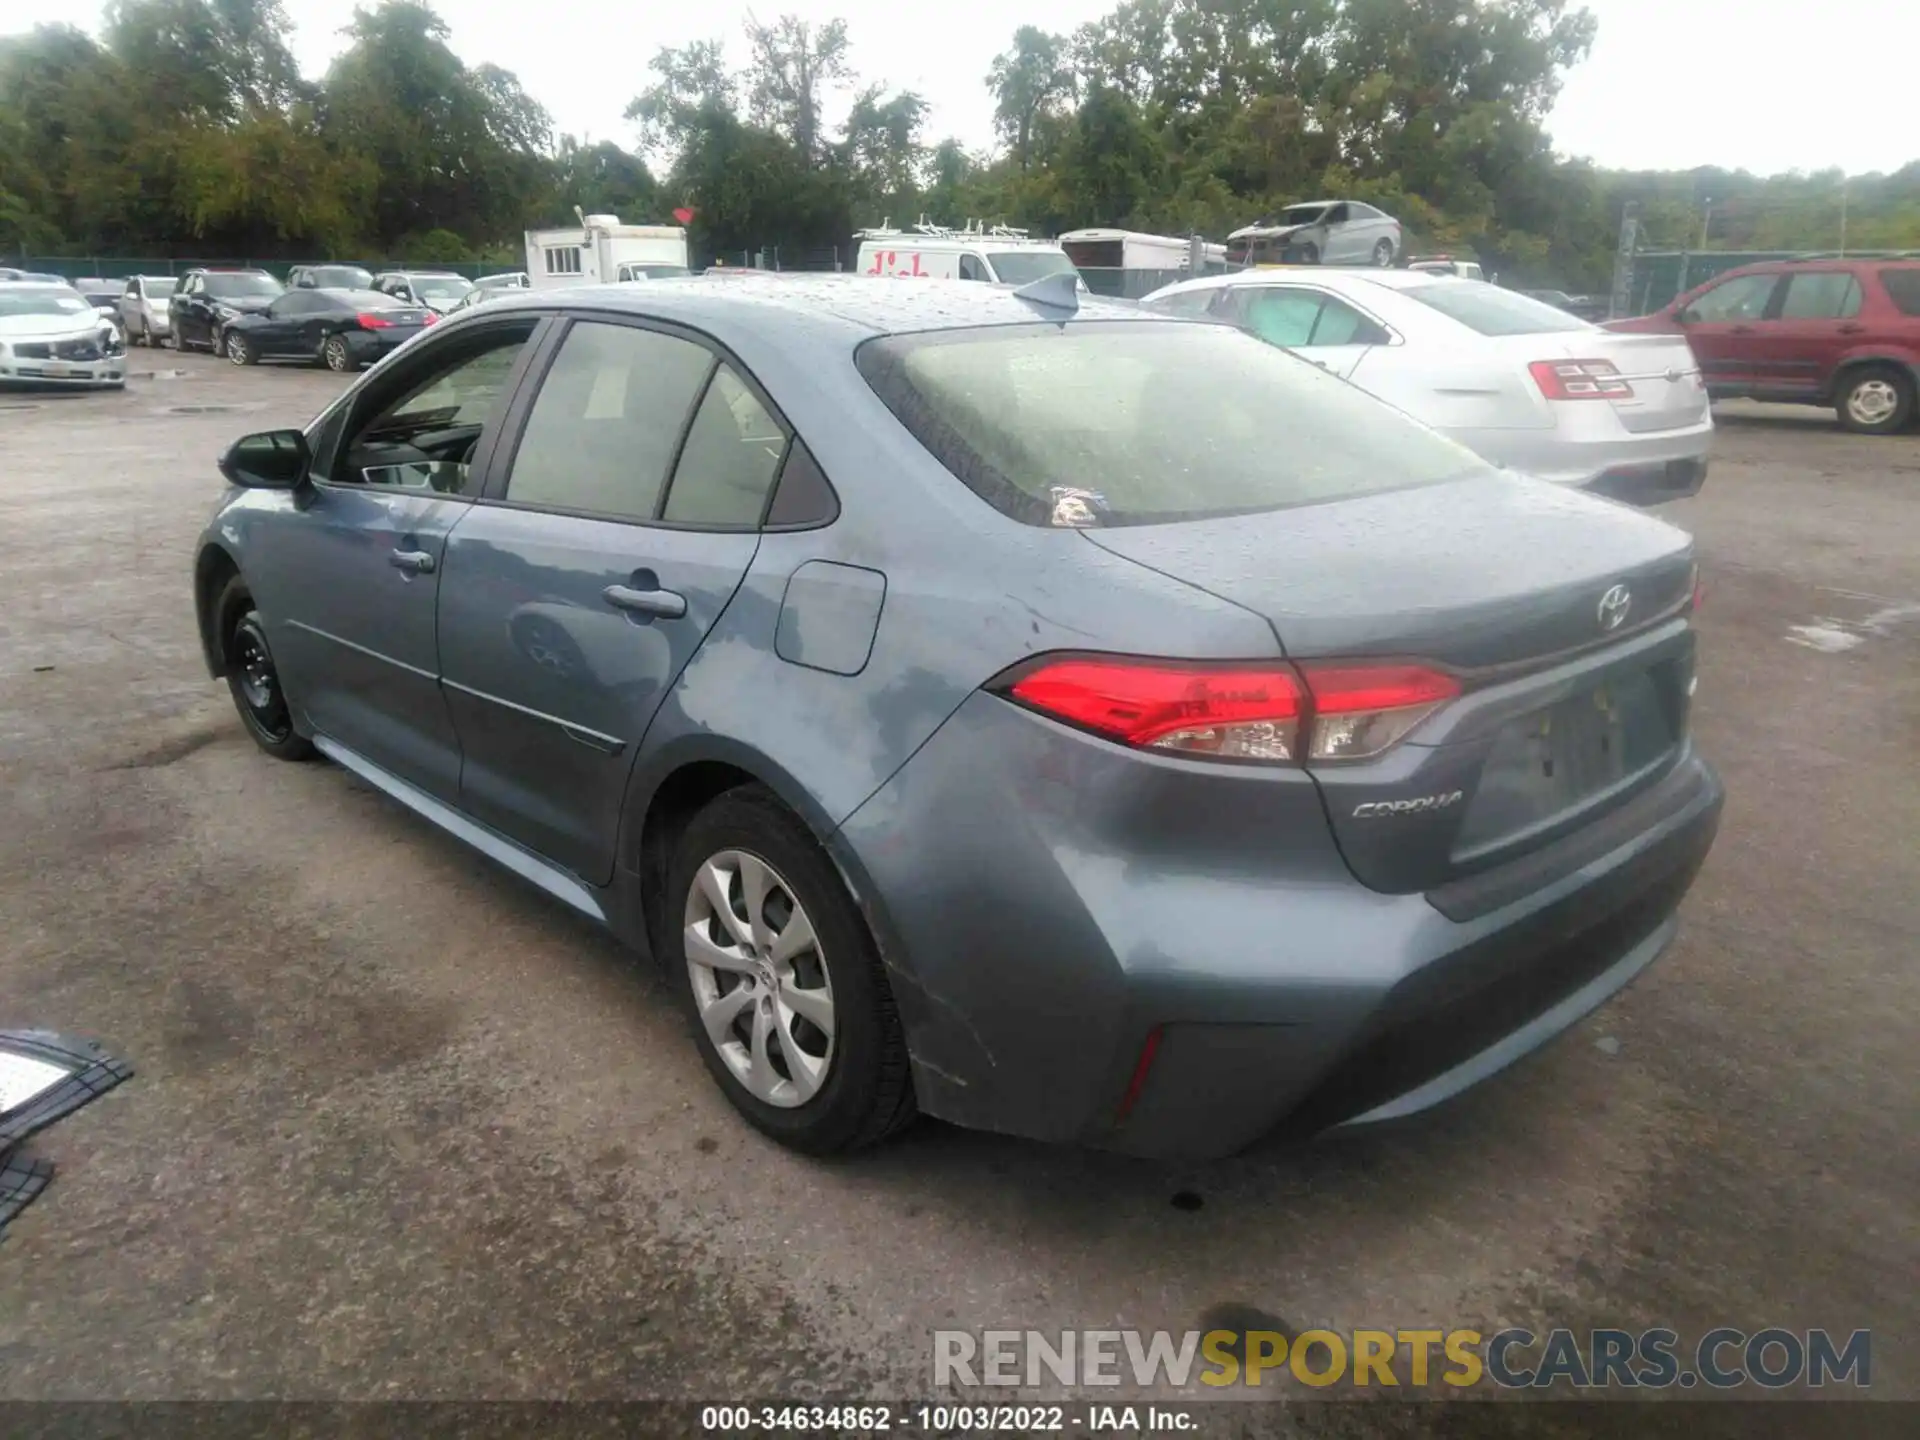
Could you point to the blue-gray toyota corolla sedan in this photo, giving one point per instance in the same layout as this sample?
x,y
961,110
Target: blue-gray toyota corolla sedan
x,y
1004,705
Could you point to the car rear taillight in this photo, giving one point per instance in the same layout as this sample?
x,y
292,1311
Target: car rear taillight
x,y
1272,713
1224,712
373,322
1360,711
1579,380
432,317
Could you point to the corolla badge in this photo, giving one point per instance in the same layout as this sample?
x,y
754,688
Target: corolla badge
x,y
1375,808
1614,606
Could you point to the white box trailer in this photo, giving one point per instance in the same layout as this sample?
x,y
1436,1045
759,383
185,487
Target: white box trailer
x,y
1132,250
602,251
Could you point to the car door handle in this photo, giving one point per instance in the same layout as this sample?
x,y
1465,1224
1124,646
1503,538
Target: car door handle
x,y
1851,329
663,603
415,562
1741,330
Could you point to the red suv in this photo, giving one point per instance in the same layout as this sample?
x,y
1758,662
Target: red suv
x,y
1840,333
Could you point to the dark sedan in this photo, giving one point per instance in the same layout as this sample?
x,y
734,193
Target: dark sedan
x,y
341,329
206,300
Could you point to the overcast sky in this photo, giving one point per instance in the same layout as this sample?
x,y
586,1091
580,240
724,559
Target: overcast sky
x,y
1670,84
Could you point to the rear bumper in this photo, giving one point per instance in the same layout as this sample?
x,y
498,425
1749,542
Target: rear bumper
x,y
1045,903
1653,484
1609,466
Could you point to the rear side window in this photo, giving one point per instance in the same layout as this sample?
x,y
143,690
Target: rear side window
x,y
1903,288
1129,423
608,418
732,453
1821,295
1489,310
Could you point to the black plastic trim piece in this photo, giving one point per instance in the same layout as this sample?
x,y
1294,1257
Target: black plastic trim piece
x,y
22,1178
94,1072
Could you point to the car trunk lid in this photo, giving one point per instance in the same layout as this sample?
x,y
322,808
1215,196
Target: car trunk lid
x,y
1666,390
1561,616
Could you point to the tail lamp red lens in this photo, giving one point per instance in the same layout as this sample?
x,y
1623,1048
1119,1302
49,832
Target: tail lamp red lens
x,y
1579,380
373,322
1270,713
432,317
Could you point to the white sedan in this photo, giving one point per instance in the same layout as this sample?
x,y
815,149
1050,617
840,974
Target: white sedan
x,y
1527,386
50,335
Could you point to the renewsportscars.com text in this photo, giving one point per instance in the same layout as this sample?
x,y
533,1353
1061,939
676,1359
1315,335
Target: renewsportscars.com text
x,y
1721,1359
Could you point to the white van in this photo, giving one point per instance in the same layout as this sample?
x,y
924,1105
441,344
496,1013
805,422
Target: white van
x,y
999,256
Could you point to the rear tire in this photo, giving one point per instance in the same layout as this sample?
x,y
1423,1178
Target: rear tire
x,y
240,350
849,1085
1383,254
252,678
1876,400
1309,254
337,355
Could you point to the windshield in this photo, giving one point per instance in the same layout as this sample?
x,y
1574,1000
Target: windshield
x,y
652,272
160,286
1492,311
440,287
1302,214
342,277
234,287
1023,267
1129,423
41,300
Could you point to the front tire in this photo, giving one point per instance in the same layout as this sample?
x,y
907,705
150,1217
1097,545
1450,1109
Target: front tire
x,y
782,980
252,678
338,355
1309,254
1876,400
1383,254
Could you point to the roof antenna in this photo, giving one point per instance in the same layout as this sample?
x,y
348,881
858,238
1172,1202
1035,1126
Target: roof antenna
x,y
1059,291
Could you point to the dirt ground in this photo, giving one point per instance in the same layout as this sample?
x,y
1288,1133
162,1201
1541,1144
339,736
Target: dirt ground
x,y
405,1128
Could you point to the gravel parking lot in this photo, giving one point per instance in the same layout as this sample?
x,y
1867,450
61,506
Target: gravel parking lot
x,y
404,1128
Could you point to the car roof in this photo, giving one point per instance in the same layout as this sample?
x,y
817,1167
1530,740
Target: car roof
x,y
1332,277
849,307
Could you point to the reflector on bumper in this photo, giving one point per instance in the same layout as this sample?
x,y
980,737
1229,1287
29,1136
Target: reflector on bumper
x,y
45,1077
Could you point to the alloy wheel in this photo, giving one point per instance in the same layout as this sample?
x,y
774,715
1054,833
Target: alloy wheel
x,y
1872,402
759,977
237,348
335,354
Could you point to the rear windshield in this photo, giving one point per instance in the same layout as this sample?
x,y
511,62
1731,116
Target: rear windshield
x,y
1493,311
1128,423
1023,267
342,277
158,285
1903,288
439,287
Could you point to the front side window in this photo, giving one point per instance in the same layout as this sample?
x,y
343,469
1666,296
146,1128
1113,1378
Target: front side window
x,y
1744,297
971,268
1821,295
427,436
733,451
608,418
1146,423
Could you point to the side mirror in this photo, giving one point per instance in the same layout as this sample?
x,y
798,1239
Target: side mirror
x,y
1684,316
270,460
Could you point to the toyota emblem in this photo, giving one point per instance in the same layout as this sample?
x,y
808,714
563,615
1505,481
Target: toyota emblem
x,y
1614,606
